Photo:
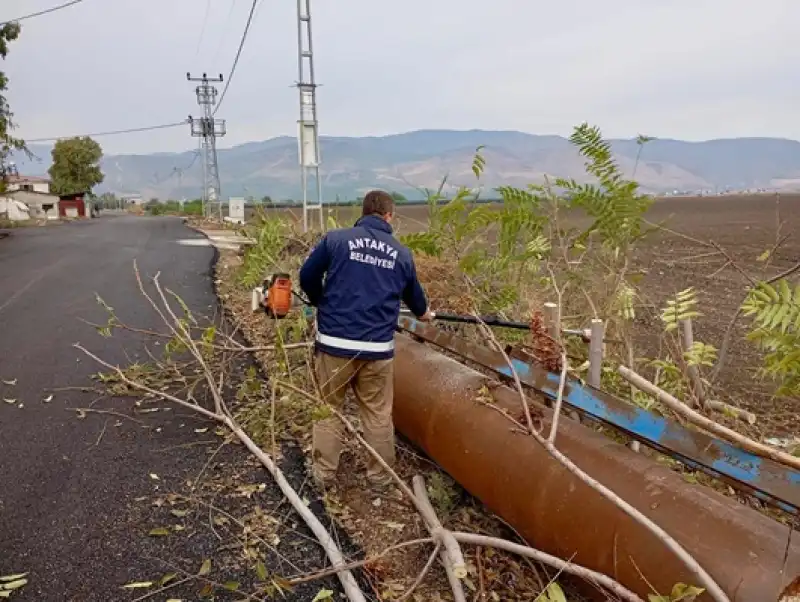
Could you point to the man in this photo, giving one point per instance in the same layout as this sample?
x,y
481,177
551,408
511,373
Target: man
x,y
356,278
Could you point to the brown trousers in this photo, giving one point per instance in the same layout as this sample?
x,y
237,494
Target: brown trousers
x,y
373,384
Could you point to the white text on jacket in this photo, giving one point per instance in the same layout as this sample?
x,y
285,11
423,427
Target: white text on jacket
x,y
372,244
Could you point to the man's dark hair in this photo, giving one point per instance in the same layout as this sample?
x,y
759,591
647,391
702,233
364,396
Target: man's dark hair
x,y
377,202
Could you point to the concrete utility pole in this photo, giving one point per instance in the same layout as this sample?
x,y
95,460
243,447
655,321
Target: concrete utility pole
x,y
208,129
308,132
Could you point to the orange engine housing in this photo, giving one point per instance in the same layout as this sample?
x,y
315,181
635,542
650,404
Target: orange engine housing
x,y
279,296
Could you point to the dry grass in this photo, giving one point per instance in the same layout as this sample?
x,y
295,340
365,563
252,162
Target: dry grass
x,y
377,521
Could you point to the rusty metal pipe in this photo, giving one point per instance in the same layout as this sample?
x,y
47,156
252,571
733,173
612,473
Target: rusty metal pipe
x,y
751,556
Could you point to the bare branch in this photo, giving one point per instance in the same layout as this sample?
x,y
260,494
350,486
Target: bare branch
x,y
698,419
562,565
419,498
705,579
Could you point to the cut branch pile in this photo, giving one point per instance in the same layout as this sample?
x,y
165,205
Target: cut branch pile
x,y
221,414
444,541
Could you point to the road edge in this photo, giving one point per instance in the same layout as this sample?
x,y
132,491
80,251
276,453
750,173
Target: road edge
x,y
346,543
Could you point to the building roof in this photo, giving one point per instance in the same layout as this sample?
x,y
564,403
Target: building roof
x,y
73,196
32,196
12,179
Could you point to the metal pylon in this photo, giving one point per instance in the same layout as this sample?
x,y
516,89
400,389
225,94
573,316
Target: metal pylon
x,y
208,129
308,125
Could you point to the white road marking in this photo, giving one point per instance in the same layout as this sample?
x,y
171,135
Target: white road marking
x,y
220,243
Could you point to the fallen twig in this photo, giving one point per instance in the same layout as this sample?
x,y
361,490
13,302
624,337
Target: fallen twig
x,y
109,412
698,419
102,432
161,590
726,408
420,500
358,563
422,574
559,399
562,565
527,411
235,347
452,558
181,332
714,590
353,592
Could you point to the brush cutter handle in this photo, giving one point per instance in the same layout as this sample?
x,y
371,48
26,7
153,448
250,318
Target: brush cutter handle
x,y
488,320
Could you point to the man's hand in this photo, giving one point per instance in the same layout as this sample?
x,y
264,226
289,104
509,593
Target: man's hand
x,y
428,316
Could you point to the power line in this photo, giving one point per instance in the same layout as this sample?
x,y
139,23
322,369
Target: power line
x,y
43,12
177,170
203,30
238,54
148,128
224,31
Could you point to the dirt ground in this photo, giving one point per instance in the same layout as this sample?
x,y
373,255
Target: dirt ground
x,y
744,227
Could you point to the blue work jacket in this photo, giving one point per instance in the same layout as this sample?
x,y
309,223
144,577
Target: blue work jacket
x,y
356,278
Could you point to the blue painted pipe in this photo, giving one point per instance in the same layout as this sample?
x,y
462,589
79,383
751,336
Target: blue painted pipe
x,y
766,479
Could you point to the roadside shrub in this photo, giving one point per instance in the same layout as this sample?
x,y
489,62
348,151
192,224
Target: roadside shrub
x,y
514,257
174,208
775,313
269,235
510,259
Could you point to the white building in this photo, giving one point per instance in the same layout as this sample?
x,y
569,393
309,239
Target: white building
x,y
28,183
132,199
34,193
14,210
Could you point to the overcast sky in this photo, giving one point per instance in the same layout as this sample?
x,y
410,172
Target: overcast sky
x,y
690,69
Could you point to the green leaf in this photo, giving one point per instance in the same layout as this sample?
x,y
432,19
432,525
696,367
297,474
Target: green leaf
x,y
554,593
323,594
423,242
158,532
138,585
12,585
261,571
205,568
685,593
6,578
231,586
166,579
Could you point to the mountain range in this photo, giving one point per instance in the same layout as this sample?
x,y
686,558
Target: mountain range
x,y
416,160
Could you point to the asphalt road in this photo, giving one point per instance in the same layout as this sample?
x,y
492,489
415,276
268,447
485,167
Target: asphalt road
x,y
68,496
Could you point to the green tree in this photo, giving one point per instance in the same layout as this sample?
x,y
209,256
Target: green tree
x,y
75,167
8,143
108,200
398,198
